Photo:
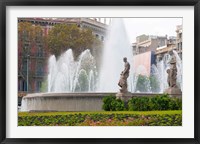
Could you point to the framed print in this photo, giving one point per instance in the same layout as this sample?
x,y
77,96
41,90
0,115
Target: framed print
x,y
99,71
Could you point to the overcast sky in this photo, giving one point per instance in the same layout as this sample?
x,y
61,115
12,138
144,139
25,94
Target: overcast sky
x,y
151,26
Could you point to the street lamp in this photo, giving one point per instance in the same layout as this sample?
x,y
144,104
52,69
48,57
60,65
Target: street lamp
x,y
27,70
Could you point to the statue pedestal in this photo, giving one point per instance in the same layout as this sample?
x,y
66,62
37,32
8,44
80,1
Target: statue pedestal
x,y
174,91
125,96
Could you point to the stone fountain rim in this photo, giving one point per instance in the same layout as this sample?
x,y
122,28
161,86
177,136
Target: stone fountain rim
x,y
82,94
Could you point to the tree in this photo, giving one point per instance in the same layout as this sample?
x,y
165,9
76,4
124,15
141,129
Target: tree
x,y
62,37
25,31
147,84
143,83
28,36
28,32
155,84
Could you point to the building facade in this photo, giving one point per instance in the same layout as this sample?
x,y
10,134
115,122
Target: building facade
x,y
32,60
145,43
173,43
98,28
179,40
161,51
33,54
158,46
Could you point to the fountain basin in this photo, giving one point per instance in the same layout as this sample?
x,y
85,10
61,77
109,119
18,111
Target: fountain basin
x,y
63,101
68,101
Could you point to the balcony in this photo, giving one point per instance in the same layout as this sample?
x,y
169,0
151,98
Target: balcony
x,y
41,55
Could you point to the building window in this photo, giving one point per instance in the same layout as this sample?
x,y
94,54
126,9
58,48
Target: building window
x,y
39,50
39,69
38,85
180,45
25,36
22,85
24,66
38,36
26,47
97,36
162,43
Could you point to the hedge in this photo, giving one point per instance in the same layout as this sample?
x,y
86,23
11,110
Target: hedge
x,y
151,118
110,103
145,103
163,102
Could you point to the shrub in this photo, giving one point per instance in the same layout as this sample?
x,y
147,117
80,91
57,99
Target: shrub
x,y
125,118
160,102
175,104
163,102
139,104
117,105
110,103
107,102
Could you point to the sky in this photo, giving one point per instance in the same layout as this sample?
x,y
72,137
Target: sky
x,y
150,26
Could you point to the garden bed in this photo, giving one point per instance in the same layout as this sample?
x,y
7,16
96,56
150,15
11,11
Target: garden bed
x,y
117,118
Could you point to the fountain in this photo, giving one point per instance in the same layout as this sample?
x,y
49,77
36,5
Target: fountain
x,y
68,75
116,48
69,81
160,70
78,86
159,75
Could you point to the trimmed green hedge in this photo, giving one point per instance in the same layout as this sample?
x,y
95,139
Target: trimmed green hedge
x,y
145,103
110,103
151,118
163,102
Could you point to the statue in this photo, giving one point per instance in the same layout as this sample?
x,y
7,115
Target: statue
x,y
172,73
173,89
124,75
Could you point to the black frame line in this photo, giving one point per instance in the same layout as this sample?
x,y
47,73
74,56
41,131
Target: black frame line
x,y
5,3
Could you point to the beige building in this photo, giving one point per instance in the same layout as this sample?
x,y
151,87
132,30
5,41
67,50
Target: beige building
x,y
179,40
146,43
170,45
173,43
163,50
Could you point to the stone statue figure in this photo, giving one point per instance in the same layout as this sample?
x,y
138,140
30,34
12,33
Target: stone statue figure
x,y
172,73
173,89
124,75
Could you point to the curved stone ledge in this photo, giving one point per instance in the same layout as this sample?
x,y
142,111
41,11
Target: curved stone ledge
x,y
68,101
